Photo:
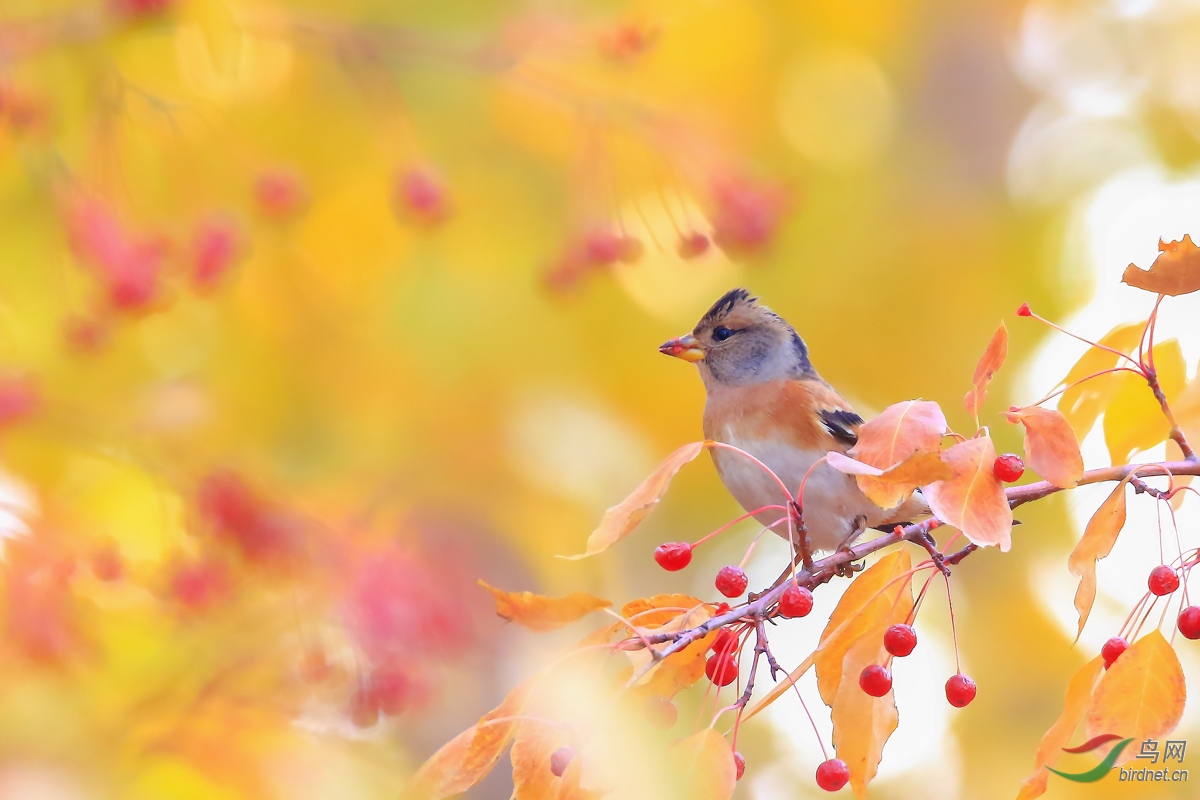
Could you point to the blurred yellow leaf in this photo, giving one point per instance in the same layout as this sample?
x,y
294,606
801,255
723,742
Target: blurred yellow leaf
x,y
973,500
535,741
1176,271
704,765
467,758
620,520
540,613
1082,403
1051,449
1049,750
1133,419
1142,695
1096,543
989,363
678,670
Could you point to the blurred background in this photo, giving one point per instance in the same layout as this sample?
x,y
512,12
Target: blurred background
x,y
311,314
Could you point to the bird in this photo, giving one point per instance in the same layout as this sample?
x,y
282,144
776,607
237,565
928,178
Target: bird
x,y
764,397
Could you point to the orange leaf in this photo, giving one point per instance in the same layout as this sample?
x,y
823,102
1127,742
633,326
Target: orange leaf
x,y
533,745
1051,449
1082,403
467,758
973,499
704,765
1142,695
620,520
540,613
1176,271
1096,543
1133,419
989,363
914,426
569,786
889,488
1049,750
874,600
862,724
678,670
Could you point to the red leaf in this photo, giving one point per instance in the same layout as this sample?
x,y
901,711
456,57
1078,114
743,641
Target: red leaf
x,y
1051,448
989,363
973,500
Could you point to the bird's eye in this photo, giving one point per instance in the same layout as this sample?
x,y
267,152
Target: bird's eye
x,y
721,333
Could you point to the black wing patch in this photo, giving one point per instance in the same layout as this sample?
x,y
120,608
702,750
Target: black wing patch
x,y
841,425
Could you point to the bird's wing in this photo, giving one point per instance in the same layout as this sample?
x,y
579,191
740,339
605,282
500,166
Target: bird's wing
x,y
817,408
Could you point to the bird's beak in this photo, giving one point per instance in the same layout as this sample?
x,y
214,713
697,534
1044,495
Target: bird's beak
x,y
685,347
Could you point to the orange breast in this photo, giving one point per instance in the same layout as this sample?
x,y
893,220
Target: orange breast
x,y
786,411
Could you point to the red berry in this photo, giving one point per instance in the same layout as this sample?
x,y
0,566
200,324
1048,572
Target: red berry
x,y
721,669
692,245
214,248
560,759
1163,580
280,194
833,774
900,640
875,680
739,761
722,608
1112,650
1008,467
1024,311
731,581
662,713
960,690
673,556
1189,622
726,642
419,194
19,398
602,248
796,601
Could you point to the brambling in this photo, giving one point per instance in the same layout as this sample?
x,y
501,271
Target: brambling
x,y
764,397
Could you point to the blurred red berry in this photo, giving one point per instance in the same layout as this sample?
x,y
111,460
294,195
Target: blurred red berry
x,y
631,250
141,9
214,248
692,245
721,669
391,688
960,690
560,759
85,334
1008,467
739,764
602,248
731,581
420,195
746,215
19,398
1112,650
673,556
281,195
199,585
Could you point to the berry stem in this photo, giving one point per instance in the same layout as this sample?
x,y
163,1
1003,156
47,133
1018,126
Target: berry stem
x,y
730,524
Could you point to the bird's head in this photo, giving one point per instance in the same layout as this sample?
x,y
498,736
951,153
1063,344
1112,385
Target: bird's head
x,y
740,341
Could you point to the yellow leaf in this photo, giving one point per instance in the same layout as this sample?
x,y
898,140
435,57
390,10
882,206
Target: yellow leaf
x,y
620,520
1079,692
1133,419
889,488
1096,543
533,745
1176,271
467,758
1051,449
540,613
1082,403
862,724
874,600
704,765
569,787
973,500
1142,695
678,670
991,361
